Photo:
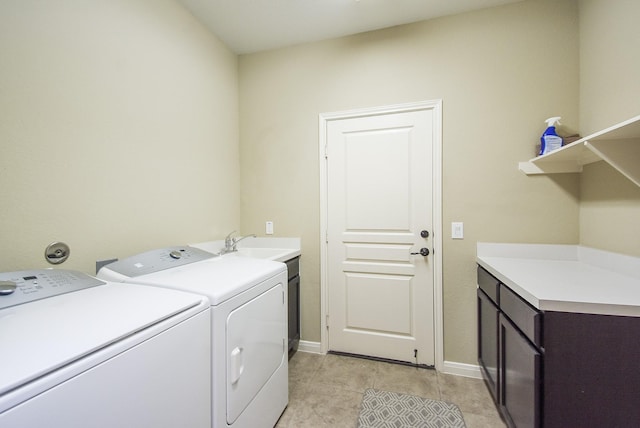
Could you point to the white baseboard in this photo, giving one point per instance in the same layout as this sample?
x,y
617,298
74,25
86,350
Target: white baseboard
x,y
306,346
461,369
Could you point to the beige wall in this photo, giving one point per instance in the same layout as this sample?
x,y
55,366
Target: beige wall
x,y
609,210
609,89
490,68
609,63
118,130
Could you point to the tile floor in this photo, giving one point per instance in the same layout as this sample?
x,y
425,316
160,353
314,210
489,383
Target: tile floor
x,y
326,391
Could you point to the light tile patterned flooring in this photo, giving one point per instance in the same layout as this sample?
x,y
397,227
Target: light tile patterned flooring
x,y
326,391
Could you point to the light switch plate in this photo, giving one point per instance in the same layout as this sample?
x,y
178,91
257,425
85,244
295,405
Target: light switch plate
x,y
457,230
269,228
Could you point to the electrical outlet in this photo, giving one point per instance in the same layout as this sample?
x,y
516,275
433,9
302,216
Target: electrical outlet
x,y
457,230
269,228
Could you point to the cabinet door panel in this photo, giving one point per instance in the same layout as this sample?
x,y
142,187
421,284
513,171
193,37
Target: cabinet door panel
x,y
519,377
294,313
488,341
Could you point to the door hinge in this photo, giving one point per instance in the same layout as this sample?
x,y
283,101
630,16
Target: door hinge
x,y
326,236
327,321
326,151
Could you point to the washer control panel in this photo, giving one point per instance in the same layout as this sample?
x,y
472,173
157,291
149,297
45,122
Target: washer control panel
x,y
26,286
158,260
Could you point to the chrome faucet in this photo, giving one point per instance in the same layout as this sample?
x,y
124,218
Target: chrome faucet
x,y
228,243
236,240
231,242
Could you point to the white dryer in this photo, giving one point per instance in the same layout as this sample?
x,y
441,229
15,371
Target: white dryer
x,y
249,325
79,352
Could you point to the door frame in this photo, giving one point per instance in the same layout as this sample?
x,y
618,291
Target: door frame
x,y
323,119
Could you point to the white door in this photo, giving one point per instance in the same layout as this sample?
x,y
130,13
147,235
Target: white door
x,y
380,296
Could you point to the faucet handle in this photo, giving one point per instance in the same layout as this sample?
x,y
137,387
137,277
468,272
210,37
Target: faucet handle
x,y
228,237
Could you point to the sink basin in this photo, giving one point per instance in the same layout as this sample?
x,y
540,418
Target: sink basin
x,y
278,249
262,253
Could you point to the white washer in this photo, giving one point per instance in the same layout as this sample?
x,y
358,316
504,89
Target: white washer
x,y
249,325
78,352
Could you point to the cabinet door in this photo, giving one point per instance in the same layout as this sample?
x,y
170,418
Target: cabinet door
x,y
294,313
520,365
488,341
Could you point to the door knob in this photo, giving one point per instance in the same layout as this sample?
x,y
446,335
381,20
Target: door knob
x,y
423,252
424,233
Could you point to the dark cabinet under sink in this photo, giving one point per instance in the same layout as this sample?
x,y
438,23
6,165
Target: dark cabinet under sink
x,y
293,269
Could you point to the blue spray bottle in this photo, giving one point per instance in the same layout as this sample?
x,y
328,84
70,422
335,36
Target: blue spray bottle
x,y
550,140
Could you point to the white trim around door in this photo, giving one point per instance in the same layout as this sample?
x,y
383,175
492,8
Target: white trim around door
x,y
324,118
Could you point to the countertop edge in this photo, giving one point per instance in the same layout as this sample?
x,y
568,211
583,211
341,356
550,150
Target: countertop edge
x,y
597,296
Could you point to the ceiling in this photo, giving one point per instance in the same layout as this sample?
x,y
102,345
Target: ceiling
x,y
248,26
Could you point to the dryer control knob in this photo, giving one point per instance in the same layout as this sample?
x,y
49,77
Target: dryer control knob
x,y
175,254
7,287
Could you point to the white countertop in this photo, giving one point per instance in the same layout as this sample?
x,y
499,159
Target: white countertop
x,y
566,278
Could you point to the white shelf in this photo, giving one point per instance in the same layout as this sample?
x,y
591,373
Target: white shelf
x,y
618,145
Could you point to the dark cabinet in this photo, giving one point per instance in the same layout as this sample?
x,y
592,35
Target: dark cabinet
x,y
557,369
488,341
509,351
519,377
591,372
293,269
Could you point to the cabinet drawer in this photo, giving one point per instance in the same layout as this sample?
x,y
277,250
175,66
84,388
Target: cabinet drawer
x,y
488,284
524,316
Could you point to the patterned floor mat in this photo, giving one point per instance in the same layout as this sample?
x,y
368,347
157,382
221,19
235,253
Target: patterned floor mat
x,y
383,409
